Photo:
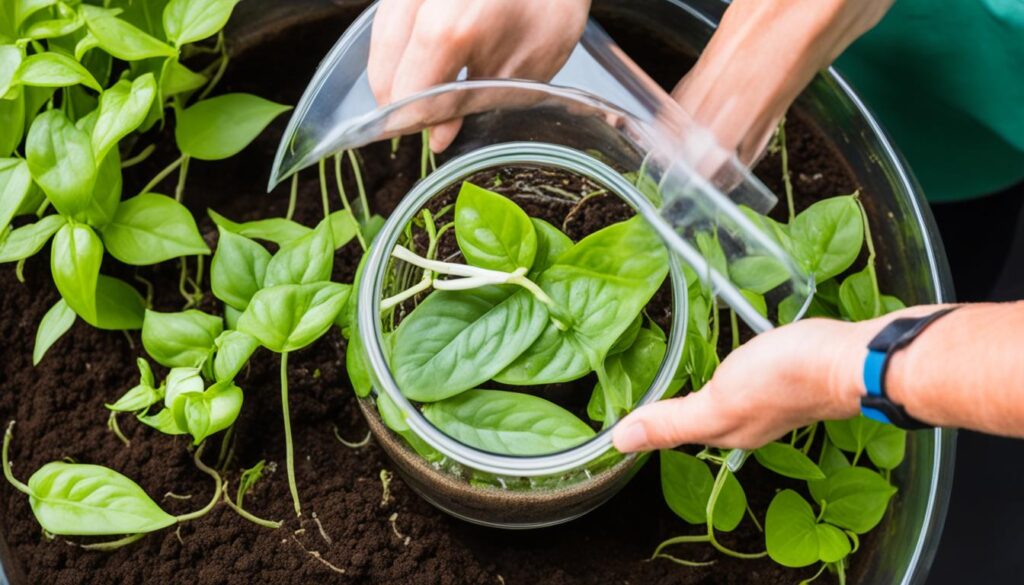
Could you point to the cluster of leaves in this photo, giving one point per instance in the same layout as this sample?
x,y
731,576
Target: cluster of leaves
x,y
529,307
850,495
79,82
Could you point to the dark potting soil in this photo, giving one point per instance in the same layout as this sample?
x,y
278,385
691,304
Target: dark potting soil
x,y
349,532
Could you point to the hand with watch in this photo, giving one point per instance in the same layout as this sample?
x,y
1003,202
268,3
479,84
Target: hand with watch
x,y
953,366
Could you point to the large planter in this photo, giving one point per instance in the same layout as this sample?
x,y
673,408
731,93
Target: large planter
x,y
901,549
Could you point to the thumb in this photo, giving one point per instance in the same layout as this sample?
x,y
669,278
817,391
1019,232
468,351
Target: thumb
x,y
689,419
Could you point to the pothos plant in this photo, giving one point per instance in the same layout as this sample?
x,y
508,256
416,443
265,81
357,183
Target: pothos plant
x,y
845,466
528,307
81,82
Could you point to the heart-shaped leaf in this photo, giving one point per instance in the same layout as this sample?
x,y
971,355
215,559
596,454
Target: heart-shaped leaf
x,y
288,317
75,258
238,269
220,127
62,163
183,339
123,108
188,21
151,228
492,231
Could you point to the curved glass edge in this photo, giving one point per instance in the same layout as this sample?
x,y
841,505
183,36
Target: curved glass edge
x,y
376,267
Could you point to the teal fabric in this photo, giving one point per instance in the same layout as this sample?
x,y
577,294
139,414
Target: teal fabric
x,y
946,79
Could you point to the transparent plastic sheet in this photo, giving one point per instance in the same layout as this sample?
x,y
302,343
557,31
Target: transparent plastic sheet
x,y
599,112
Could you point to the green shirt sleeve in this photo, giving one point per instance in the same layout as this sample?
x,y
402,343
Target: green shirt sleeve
x,y
946,79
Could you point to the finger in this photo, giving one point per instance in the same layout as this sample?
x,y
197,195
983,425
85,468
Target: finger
x,y
690,419
442,136
392,26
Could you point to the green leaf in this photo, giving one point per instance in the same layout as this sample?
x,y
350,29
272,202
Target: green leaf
x,y
551,244
856,498
220,127
123,108
119,306
62,163
686,484
162,421
185,339
759,274
151,228
859,299
75,258
305,260
786,460
175,78
288,317
602,282
180,382
629,375
887,447
15,187
12,112
456,340
395,420
357,367
795,538
10,61
853,434
711,249
238,269
344,227
277,230
22,9
68,23
54,325
27,240
234,349
89,500
509,423
55,70
106,195
828,235
188,21
207,413
141,396
492,231
122,39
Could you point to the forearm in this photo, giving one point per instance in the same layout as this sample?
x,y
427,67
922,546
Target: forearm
x,y
966,370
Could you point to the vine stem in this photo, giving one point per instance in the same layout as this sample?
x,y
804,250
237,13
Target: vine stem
x,y
8,434
248,515
344,199
322,167
179,191
786,178
716,490
870,242
218,487
289,450
163,174
292,196
143,155
354,161
115,544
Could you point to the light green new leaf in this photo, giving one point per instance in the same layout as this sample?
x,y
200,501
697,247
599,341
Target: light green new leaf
x,y
234,349
795,538
183,339
207,413
188,21
55,70
492,231
175,78
852,435
288,317
344,227
220,127
151,228
887,447
508,423
276,229
856,498
827,236
859,298
456,340
75,257
788,461
162,421
629,375
686,484
28,240
120,38
119,306
62,163
10,61
357,367
123,108
181,382
141,396
238,269
54,325
76,499
68,22
15,187
307,259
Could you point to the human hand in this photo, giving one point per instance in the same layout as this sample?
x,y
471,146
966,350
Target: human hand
x,y
761,57
417,44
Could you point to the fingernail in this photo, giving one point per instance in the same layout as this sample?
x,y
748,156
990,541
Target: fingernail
x,y
631,437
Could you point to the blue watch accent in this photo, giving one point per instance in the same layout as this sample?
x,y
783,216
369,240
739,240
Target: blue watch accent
x,y
876,404
874,374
